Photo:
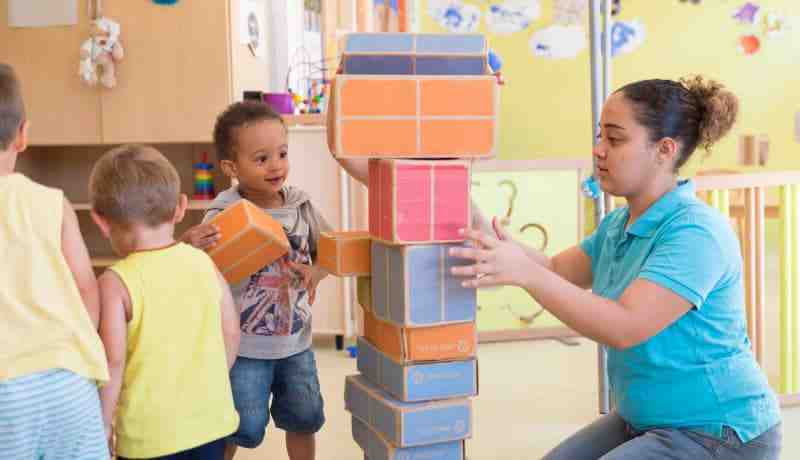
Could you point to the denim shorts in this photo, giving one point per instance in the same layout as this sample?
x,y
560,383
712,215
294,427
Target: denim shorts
x,y
293,384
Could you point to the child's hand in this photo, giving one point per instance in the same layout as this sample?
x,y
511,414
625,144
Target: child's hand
x,y
203,236
310,276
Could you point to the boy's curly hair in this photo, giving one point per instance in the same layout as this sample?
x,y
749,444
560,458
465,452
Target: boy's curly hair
x,y
234,117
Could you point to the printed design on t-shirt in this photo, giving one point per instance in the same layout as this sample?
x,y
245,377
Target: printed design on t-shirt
x,y
274,301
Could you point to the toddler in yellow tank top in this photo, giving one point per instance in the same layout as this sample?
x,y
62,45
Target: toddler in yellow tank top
x,y
168,319
51,357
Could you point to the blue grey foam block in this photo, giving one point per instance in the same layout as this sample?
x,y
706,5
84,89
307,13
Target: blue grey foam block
x,y
376,447
420,54
378,65
413,286
441,44
419,381
405,424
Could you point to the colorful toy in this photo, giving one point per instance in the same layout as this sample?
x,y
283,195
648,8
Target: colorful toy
x,y
414,54
418,344
345,253
417,382
203,180
412,286
413,117
405,424
376,447
250,240
418,201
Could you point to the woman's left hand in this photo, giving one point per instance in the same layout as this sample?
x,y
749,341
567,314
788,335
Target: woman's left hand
x,y
496,262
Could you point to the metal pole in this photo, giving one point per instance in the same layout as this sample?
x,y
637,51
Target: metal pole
x,y
600,10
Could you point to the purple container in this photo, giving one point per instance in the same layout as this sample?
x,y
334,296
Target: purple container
x,y
280,102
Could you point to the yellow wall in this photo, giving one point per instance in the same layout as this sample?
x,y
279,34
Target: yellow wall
x,y
546,110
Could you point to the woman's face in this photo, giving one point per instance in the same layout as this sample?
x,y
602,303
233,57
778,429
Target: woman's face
x,y
626,160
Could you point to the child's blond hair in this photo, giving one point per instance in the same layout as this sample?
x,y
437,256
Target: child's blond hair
x,y
134,184
12,108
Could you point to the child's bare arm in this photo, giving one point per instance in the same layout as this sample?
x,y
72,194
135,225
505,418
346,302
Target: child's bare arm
x,y
114,334
357,168
77,256
230,322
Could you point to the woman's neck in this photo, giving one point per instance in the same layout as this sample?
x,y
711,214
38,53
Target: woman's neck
x,y
639,203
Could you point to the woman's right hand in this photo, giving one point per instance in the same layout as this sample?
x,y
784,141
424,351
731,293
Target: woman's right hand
x,y
203,236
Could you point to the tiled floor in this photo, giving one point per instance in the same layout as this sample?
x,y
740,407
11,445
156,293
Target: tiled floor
x,y
532,395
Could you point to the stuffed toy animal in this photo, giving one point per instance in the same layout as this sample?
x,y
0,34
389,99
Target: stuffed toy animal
x,y
100,52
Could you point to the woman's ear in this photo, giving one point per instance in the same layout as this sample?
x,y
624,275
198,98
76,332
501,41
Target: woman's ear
x,y
667,150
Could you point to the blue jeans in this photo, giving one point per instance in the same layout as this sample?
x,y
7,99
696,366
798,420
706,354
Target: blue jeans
x,y
611,438
297,405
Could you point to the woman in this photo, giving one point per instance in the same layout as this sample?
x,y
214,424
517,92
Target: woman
x,y
667,292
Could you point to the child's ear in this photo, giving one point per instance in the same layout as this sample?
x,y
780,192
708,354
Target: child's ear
x,y
21,142
102,224
229,168
180,210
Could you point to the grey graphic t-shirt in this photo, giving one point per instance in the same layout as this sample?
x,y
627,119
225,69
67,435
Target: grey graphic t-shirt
x,y
274,312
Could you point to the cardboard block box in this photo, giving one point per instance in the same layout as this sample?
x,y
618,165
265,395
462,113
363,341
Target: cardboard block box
x,y
418,201
250,240
421,344
415,54
408,424
389,116
412,286
345,253
417,382
375,447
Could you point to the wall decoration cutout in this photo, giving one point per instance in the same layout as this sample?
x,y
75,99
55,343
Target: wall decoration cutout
x,y
454,15
747,13
570,12
558,42
775,24
749,44
511,16
626,37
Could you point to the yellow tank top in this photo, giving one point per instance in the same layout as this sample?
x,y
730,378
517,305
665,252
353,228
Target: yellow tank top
x,y
176,393
43,321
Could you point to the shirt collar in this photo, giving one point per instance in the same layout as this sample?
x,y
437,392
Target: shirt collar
x,y
647,223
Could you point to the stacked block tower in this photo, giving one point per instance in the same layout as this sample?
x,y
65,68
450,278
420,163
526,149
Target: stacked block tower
x,y
421,107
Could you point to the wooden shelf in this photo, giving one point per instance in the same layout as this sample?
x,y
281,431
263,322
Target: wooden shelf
x,y
194,205
314,119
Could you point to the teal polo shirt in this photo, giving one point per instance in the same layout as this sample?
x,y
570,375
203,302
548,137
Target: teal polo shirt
x,y
698,373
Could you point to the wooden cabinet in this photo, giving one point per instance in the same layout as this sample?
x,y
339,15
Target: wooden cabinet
x,y
62,110
182,65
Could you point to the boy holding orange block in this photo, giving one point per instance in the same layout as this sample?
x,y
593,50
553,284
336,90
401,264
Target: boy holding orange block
x,y
275,358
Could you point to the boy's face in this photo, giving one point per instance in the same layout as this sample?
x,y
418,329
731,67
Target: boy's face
x,y
262,157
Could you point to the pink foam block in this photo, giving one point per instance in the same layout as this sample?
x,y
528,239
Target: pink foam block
x,y
415,201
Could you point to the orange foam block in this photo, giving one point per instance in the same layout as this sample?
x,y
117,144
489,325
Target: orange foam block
x,y
420,344
250,240
345,253
379,116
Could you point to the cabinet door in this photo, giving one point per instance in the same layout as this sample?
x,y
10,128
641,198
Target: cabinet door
x,y
175,76
61,108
